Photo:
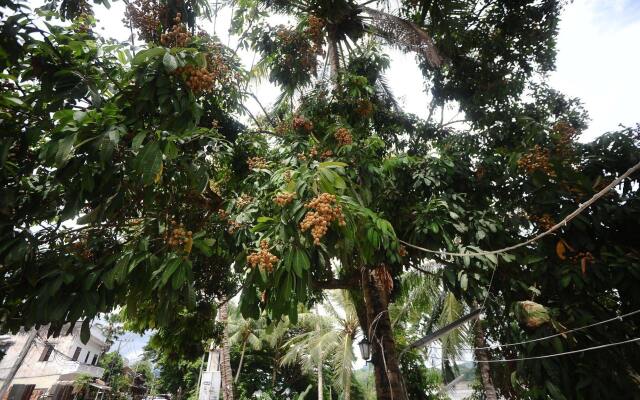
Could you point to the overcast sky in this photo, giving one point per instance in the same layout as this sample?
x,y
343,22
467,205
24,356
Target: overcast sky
x,y
598,61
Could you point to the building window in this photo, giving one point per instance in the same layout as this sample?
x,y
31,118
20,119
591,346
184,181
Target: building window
x,y
76,354
46,352
87,357
95,360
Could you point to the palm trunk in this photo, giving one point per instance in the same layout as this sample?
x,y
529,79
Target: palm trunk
x,y
334,60
225,369
320,380
483,366
276,360
244,346
384,356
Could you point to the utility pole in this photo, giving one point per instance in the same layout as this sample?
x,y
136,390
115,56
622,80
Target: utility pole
x,y
16,366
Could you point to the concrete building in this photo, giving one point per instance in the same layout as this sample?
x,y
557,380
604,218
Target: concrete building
x,y
210,377
46,362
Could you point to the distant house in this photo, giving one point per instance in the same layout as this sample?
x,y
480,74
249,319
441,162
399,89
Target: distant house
x,y
45,364
210,377
459,388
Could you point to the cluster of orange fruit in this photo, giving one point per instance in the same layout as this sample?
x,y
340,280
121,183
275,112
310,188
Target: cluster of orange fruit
x,y
244,200
402,251
365,108
222,214
233,226
177,36
300,123
145,16
325,211
257,163
284,198
262,258
81,249
314,31
197,79
343,136
179,238
537,160
545,221
566,136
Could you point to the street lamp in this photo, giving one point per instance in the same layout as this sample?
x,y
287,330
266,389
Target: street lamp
x,y
365,349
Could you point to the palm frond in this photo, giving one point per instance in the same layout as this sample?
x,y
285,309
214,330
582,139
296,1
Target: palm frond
x,y
403,34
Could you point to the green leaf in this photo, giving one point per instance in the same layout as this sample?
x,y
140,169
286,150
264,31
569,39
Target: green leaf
x,y
170,62
169,269
332,164
463,282
137,141
85,331
300,262
65,147
150,162
147,54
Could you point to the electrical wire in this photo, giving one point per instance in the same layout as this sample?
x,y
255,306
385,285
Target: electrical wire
x,y
554,228
602,346
497,346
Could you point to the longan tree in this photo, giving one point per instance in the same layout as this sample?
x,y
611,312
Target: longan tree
x,y
128,180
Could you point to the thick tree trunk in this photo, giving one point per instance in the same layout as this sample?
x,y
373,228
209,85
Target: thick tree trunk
x,y
244,346
483,367
225,368
384,357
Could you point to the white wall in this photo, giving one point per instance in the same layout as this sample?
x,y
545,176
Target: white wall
x,y
45,373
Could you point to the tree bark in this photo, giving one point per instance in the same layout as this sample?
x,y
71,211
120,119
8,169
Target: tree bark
x,y
225,369
244,346
384,357
334,60
483,367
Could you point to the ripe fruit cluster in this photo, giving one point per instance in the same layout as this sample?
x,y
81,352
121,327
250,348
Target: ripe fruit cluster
x,y
365,108
537,160
545,221
145,16
179,237
262,258
343,136
284,198
233,226
300,123
177,36
222,214
257,163
244,200
402,251
197,79
314,31
566,136
313,152
326,211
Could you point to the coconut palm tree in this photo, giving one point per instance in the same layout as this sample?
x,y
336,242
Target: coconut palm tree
x,y
424,306
243,332
328,340
225,365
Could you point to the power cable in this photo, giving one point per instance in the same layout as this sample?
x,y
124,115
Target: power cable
x,y
602,346
554,228
497,346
